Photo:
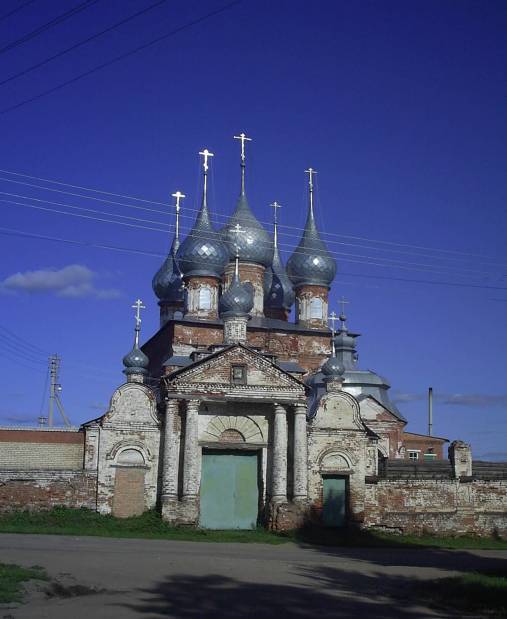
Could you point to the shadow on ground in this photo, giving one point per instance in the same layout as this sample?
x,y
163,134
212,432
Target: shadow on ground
x,y
324,592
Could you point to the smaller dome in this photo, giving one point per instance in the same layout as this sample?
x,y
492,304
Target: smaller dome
x,y
332,368
135,362
166,283
278,289
237,300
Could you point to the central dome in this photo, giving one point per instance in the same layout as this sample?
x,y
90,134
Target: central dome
x,y
252,240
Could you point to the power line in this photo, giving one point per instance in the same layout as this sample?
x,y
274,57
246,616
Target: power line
x,y
108,63
458,255
48,25
81,43
21,6
9,232
343,256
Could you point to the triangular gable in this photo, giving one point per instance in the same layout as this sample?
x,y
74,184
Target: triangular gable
x,y
216,368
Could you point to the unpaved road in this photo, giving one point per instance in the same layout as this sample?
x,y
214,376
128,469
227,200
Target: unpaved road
x,y
95,578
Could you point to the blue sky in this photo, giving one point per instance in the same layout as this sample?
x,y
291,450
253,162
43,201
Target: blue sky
x,y
400,106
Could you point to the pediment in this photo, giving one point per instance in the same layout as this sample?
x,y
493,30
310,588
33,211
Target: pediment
x,y
217,371
132,404
338,411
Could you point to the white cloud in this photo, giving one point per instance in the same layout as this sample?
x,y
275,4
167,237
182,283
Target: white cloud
x,y
73,281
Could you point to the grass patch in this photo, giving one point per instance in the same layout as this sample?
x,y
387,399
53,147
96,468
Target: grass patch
x,y
64,521
11,579
475,592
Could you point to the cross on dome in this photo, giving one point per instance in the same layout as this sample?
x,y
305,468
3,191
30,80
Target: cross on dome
x,y
138,306
310,173
343,303
206,153
243,139
332,319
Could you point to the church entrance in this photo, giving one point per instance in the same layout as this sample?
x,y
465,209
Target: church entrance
x,y
334,511
229,490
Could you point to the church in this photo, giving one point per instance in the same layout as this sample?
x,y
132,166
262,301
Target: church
x,y
233,415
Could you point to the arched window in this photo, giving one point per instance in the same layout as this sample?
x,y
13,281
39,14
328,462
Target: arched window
x,y
205,299
316,308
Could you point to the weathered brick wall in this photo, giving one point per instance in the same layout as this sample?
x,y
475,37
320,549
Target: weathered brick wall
x,y
40,489
441,507
41,449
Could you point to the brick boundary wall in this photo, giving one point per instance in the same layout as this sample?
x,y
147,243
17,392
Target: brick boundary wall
x,y
41,489
438,507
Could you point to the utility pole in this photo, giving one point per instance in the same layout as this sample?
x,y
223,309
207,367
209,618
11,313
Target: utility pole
x,y
430,411
54,391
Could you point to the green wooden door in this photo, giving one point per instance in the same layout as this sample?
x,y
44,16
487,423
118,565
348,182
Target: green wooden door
x,y
335,500
229,490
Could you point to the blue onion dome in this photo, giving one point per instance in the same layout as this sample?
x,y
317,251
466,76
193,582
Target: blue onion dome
x,y
280,292
332,368
311,263
166,282
202,253
253,241
237,300
135,362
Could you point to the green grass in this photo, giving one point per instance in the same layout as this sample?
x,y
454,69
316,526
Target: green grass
x,y
11,579
63,521
475,592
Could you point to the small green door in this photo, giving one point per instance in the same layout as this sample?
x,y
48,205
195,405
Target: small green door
x,y
229,490
335,499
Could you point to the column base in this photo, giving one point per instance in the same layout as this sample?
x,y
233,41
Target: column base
x,y
286,516
170,508
189,510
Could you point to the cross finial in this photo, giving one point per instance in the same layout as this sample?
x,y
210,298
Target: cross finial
x,y
178,195
138,306
275,207
332,319
311,172
243,139
205,153
343,303
237,230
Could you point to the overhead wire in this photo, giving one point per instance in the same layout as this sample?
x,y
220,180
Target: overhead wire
x,y
452,254
116,59
54,22
344,256
16,10
21,233
67,50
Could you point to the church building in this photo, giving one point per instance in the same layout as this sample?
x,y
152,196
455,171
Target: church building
x,y
233,415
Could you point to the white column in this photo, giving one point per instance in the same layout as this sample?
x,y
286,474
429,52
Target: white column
x,y
300,453
279,473
170,460
191,452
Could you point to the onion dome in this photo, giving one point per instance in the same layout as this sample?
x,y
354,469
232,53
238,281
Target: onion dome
x,y
278,289
311,263
135,362
203,253
166,282
332,368
252,241
238,299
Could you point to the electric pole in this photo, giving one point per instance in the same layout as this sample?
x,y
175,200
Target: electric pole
x,y
54,391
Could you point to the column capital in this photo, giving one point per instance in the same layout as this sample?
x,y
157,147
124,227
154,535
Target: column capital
x,y
279,409
193,405
172,405
300,409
